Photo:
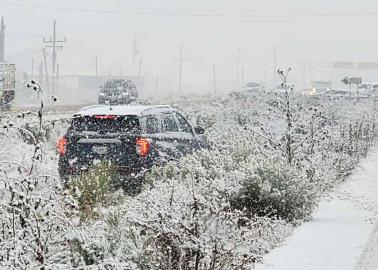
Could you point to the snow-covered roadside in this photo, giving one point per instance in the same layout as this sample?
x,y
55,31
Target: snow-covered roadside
x,y
344,231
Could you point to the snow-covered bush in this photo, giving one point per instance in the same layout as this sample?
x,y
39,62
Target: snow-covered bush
x,y
33,220
35,212
293,148
92,189
277,190
186,221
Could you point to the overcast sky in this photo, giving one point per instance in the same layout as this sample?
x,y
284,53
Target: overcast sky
x,y
205,40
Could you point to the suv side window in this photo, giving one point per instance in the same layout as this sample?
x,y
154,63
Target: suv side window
x,y
169,123
183,123
152,125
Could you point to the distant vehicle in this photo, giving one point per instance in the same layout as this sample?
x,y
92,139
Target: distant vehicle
x,y
7,85
336,94
252,87
116,92
132,137
368,89
318,88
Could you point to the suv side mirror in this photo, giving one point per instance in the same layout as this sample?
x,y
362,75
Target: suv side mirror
x,y
199,130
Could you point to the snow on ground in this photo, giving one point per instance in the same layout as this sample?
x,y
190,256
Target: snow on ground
x,y
343,234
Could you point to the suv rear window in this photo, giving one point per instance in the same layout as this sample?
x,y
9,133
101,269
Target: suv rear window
x,y
111,124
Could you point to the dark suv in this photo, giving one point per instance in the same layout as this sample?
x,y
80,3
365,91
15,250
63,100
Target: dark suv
x,y
133,138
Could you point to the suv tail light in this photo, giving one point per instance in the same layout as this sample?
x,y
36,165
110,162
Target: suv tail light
x,y
143,146
62,143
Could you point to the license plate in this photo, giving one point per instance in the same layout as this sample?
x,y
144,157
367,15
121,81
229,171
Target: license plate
x,y
100,149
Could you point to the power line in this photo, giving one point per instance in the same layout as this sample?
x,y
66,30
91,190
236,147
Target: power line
x,y
214,15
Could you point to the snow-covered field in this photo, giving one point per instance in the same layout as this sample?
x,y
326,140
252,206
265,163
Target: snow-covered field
x,y
272,158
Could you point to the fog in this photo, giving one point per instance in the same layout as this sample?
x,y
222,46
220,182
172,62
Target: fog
x,y
107,29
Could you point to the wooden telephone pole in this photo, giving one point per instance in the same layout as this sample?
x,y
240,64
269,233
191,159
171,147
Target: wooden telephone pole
x,y
55,45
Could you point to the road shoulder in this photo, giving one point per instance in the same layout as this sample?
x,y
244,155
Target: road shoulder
x,y
343,233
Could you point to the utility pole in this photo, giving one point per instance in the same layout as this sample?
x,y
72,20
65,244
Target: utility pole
x,y
46,72
32,68
180,69
96,69
135,52
180,60
242,74
214,81
238,65
156,84
304,76
140,67
53,43
57,79
40,73
96,66
2,41
264,78
275,66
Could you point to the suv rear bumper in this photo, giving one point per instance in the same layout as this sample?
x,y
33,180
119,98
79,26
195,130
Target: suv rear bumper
x,y
129,179
66,170
72,171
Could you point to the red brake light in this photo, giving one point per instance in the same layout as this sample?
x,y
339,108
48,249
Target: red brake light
x,y
143,146
105,116
62,143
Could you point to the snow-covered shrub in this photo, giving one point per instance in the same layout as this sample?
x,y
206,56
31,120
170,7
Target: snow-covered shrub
x,y
33,131
277,190
34,221
35,212
186,222
315,144
92,188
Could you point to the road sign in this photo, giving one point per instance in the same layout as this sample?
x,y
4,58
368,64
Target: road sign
x,y
353,80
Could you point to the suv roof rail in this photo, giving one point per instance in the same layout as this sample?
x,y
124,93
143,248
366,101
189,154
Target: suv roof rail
x,y
91,106
162,106
122,109
158,107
